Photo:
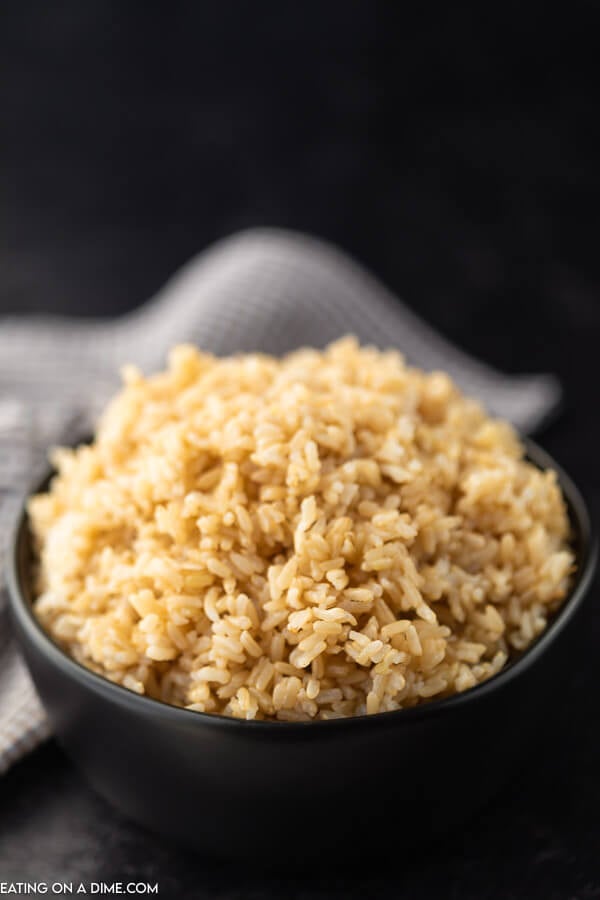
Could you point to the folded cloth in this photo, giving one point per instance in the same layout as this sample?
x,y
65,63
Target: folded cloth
x,y
263,290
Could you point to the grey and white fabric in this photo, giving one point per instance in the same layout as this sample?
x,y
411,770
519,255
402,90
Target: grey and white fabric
x,y
263,290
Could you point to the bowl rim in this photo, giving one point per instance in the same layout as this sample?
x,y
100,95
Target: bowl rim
x,y
22,610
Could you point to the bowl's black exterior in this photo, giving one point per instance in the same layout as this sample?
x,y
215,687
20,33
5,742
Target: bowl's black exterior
x,y
264,790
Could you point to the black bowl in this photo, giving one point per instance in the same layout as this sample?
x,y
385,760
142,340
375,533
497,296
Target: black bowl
x,y
274,791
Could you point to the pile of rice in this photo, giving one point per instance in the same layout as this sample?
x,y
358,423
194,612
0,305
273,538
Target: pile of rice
x,y
323,535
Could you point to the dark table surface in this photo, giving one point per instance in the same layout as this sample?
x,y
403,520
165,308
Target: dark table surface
x,y
465,177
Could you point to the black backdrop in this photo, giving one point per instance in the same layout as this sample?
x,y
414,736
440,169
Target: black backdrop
x,y
457,154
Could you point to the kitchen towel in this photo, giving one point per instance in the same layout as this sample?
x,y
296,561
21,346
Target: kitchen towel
x,y
263,289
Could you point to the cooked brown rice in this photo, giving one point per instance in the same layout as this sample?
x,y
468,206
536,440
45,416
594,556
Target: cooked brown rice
x,y
323,535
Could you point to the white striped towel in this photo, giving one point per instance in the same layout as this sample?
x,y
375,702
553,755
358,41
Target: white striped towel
x,y
261,290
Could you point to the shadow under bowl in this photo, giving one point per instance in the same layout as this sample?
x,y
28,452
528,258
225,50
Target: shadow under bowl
x,y
275,792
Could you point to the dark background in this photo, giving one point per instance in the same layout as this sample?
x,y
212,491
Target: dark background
x,y
457,155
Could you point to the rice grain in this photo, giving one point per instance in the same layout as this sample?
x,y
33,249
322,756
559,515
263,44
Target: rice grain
x,y
328,534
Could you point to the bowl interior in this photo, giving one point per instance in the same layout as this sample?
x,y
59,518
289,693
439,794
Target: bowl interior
x,y
20,566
